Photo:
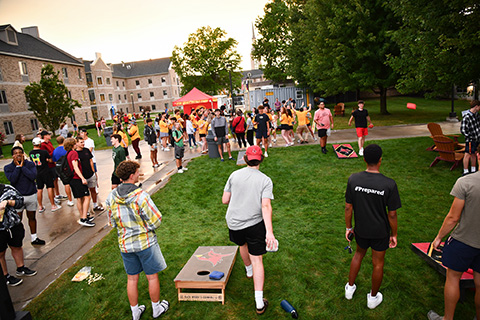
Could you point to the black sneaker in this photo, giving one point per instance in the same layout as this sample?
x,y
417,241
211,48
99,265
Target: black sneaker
x,y
265,305
38,241
86,223
12,281
90,218
24,271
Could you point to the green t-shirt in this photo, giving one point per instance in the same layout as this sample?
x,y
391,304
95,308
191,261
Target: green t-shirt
x,y
178,134
118,156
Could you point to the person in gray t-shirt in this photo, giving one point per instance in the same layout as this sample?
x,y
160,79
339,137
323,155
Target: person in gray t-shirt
x,y
462,249
248,193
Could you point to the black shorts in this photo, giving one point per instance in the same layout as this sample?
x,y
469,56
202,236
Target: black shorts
x,y
45,179
322,133
202,135
284,127
459,256
79,189
471,147
115,180
179,152
376,244
13,237
54,173
261,134
290,127
253,236
126,151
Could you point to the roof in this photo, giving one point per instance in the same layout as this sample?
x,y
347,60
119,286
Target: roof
x,y
141,68
87,65
193,97
36,48
255,73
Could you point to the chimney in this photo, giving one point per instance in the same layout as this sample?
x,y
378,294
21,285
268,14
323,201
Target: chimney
x,y
33,31
98,55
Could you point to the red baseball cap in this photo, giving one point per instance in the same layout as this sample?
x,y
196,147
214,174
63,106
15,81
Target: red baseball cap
x,y
254,153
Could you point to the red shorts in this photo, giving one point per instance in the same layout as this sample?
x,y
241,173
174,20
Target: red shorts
x,y
362,132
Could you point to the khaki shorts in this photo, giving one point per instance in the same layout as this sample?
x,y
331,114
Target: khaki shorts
x,y
30,203
92,181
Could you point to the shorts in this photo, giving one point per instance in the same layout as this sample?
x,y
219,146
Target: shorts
x,y
459,256
362,132
261,134
284,127
179,152
471,147
45,179
302,128
163,134
221,140
30,203
153,147
290,127
79,190
115,180
95,166
322,133
202,135
253,236
309,124
13,237
376,244
150,261
54,173
92,181
126,151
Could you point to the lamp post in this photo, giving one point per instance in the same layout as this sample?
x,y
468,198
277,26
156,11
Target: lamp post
x,y
229,66
133,105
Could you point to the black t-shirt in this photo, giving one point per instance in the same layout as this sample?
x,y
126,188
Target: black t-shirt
x,y
360,118
39,158
370,194
261,120
85,155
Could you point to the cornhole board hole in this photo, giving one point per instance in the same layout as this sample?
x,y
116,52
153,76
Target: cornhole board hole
x,y
240,160
344,151
434,259
195,274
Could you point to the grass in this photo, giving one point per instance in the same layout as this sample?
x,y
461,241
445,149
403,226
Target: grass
x,y
311,267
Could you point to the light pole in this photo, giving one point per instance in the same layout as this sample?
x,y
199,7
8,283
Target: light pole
x,y
133,105
229,66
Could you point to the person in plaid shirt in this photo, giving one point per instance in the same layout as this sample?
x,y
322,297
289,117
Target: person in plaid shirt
x,y
135,215
470,128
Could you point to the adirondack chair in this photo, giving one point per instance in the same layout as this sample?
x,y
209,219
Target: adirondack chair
x,y
436,130
339,109
446,151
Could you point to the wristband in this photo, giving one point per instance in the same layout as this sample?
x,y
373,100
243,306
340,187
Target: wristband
x,y
349,229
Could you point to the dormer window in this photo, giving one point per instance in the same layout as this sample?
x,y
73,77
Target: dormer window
x,y
12,37
8,35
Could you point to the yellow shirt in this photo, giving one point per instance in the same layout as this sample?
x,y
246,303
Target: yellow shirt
x,y
133,132
302,118
202,126
163,126
124,142
285,119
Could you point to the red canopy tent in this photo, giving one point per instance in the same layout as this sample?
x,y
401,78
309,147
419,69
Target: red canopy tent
x,y
194,100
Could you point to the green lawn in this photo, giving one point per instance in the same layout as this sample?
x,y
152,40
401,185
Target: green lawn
x,y
311,267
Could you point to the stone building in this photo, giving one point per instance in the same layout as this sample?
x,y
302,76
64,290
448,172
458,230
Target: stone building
x,y
22,56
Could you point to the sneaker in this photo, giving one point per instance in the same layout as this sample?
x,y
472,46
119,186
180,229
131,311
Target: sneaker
x,y
349,291
165,305
38,241
266,154
24,271
42,209
90,218
324,151
373,302
166,149
265,305
222,159
231,158
156,165
315,139
185,169
180,170
98,208
61,197
298,140
57,201
360,152
86,223
432,315
70,203
274,140
270,145
58,207
12,281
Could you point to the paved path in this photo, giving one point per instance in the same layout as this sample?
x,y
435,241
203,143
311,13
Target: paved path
x,y
67,241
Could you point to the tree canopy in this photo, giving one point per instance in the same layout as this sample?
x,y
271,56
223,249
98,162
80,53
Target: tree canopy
x,y
49,99
205,60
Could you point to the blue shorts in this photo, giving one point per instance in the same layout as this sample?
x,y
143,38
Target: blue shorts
x,y
150,261
459,256
471,147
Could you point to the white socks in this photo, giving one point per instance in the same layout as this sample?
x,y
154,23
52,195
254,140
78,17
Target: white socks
x,y
473,169
249,270
136,312
157,308
34,237
465,171
259,299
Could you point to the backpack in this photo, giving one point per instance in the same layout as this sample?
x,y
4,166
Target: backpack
x,y
62,168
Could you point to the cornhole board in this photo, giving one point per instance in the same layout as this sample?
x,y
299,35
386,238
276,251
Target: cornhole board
x,y
435,261
240,160
344,151
194,275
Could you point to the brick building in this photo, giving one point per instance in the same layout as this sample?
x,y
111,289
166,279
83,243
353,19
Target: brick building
x,y
22,56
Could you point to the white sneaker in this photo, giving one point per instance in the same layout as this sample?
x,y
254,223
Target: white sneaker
x,y
166,149
275,140
266,154
360,152
270,145
373,302
162,148
180,171
315,139
70,203
185,169
349,291
298,140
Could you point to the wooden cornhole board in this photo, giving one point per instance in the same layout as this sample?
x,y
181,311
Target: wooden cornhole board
x,y
194,274
240,160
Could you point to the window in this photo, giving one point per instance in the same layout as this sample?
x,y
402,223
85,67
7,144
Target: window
x,y
152,94
110,97
107,80
80,74
23,68
154,107
137,82
69,94
125,97
65,73
166,106
117,83
99,81
3,97
164,92
83,95
1,77
102,97
150,81
8,126
139,95
11,36
164,80
72,119
123,84
119,98
299,94
91,96
86,116
34,124
178,82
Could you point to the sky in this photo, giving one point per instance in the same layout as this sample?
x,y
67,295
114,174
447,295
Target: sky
x,y
127,30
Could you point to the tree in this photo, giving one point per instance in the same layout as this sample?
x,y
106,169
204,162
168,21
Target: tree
x,y
49,99
205,60
439,43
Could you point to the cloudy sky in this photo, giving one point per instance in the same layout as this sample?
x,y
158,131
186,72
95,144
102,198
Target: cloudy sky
x,y
127,30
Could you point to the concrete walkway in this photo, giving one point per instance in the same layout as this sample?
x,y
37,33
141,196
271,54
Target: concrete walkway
x,y
67,241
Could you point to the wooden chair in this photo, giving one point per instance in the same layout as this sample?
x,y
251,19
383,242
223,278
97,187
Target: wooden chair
x,y
339,109
446,151
436,130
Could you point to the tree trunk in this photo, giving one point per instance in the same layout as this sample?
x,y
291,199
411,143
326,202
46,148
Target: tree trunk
x,y
383,100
